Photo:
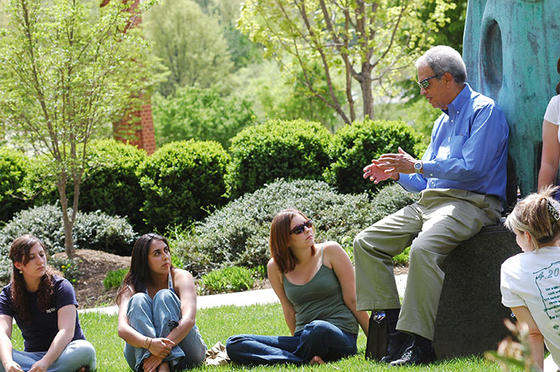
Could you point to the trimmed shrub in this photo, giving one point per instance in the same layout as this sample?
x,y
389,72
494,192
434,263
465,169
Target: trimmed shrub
x,y
354,146
5,268
276,149
182,181
238,233
14,169
95,230
110,182
101,232
228,279
42,184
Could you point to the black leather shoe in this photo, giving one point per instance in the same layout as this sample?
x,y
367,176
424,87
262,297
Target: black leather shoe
x,y
415,355
398,342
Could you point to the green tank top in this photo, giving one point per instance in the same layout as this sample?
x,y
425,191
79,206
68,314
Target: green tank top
x,y
320,299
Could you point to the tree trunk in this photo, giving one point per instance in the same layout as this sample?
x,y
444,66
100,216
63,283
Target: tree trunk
x,y
67,222
367,93
68,240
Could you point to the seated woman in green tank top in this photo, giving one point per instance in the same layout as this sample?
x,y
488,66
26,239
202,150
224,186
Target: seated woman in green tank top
x,y
315,285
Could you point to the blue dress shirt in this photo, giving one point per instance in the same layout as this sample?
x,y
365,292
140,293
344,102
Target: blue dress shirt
x,y
468,150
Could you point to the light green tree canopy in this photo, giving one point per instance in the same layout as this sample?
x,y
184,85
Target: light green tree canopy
x,y
69,68
190,44
368,43
242,51
201,114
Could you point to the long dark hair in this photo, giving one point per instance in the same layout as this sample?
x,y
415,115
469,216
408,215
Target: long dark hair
x,y
279,237
19,252
139,273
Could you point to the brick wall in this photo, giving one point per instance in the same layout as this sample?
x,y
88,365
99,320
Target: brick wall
x,y
140,131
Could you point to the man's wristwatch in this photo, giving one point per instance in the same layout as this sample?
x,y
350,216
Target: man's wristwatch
x,y
418,166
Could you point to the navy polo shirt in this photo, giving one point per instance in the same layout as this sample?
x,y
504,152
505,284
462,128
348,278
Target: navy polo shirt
x,y
40,331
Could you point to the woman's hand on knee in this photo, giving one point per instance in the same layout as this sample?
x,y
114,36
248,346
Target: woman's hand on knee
x,y
161,347
13,367
39,366
151,363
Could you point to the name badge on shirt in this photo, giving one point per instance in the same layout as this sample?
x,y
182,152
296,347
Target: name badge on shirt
x,y
443,152
51,310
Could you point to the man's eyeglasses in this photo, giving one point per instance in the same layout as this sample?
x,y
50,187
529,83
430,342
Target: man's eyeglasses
x,y
426,82
300,228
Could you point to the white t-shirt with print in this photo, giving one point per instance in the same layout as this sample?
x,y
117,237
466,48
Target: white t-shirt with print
x,y
552,113
532,279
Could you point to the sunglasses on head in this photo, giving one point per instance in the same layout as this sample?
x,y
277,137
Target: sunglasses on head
x,y
301,227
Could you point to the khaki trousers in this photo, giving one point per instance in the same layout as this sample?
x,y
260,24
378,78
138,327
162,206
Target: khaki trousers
x,y
435,225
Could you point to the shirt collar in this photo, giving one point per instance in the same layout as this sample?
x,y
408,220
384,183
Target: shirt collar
x,y
459,101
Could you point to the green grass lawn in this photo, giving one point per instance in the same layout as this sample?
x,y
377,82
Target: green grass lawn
x,y
218,323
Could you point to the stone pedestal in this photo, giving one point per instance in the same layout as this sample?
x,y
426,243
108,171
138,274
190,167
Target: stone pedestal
x,y
470,314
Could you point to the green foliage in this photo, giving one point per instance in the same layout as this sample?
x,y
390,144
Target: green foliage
x,y
237,234
241,49
402,258
190,44
201,114
181,181
177,261
260,272
42,181
353,147
14,169
300,103
276,149
277,95
110,182
364,45
390,199
228,279
68,268
114,278
450,35
69,69
95,230
418,114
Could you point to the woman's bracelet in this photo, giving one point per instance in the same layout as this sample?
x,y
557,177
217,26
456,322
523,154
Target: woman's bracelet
x,y
149,344
146,343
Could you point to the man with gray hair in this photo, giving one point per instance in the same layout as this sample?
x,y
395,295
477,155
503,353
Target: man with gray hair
x,y
461,180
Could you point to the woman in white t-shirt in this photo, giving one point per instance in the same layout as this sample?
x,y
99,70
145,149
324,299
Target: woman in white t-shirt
x,y
530,281
551,142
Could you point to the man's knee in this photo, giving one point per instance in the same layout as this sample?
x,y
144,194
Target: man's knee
x,y
358,241
427,255
421,252
365,239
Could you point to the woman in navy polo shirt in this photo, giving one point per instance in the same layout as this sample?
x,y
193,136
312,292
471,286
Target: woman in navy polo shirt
x,y
44,307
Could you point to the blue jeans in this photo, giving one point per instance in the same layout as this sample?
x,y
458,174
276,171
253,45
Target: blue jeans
x,y
156,318
78,353
317,338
